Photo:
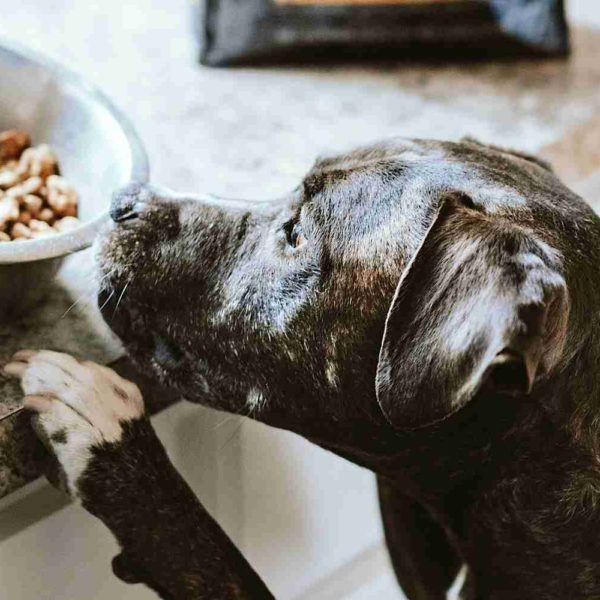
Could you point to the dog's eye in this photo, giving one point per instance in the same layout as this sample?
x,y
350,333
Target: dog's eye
x,y
294,234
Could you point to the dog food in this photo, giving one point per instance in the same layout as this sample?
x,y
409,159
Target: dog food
x,y
35,201
309,30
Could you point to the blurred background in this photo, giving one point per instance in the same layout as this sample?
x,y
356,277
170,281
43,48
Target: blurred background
x,y
307,521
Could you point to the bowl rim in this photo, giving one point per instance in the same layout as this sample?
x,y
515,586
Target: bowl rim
x,y
69,242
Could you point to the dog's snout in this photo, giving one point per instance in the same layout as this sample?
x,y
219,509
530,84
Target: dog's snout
x,y
129,202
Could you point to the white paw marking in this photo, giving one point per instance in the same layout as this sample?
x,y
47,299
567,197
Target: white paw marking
x,y
80,405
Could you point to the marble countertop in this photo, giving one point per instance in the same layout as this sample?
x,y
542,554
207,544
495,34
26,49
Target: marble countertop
x,y
253,132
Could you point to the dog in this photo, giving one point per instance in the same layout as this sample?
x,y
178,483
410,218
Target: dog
x,y
427,310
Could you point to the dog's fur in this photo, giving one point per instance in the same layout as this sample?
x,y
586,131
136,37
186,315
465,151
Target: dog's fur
x,y
436,324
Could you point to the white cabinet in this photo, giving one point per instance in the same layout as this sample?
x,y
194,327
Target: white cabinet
x,y
307,514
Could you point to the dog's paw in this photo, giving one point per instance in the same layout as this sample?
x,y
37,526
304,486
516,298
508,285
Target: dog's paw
x,y
78,406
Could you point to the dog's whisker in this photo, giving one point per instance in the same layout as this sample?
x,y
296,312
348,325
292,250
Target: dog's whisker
x,y
120,298
104,277
90,294
74,304
91,275
108,299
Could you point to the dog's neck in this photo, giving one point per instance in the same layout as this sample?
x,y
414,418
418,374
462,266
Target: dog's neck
x,y
450,452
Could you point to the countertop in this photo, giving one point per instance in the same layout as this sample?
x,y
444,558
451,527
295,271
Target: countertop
x,y
253,132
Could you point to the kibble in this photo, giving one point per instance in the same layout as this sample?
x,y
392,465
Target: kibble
x,y
35,200
40,161
25,217
12,144
20,231
9,211
46,214
8,178
33,205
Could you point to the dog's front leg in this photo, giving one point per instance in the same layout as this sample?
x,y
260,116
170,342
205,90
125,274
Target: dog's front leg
x,y
110,459
425,562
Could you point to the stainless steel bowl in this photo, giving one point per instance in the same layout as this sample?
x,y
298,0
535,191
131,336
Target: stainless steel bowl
x,y
98,151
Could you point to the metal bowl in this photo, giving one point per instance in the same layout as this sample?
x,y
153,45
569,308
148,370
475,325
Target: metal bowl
x,y
97,148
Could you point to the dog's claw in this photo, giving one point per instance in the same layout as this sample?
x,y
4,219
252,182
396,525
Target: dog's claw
x,y
15,369
24,355
18,363
37,403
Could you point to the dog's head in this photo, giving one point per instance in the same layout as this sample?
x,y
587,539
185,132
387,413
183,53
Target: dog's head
x,y
394,284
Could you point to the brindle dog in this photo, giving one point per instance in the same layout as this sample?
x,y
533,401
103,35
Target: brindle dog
x,y
427,310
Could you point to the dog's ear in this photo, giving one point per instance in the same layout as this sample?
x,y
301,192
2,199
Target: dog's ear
x,y
482,303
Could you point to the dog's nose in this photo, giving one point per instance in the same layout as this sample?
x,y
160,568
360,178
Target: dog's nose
x,y
129,202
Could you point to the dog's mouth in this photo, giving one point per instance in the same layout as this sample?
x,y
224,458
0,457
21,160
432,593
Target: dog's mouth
x,y
166,354
143,344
